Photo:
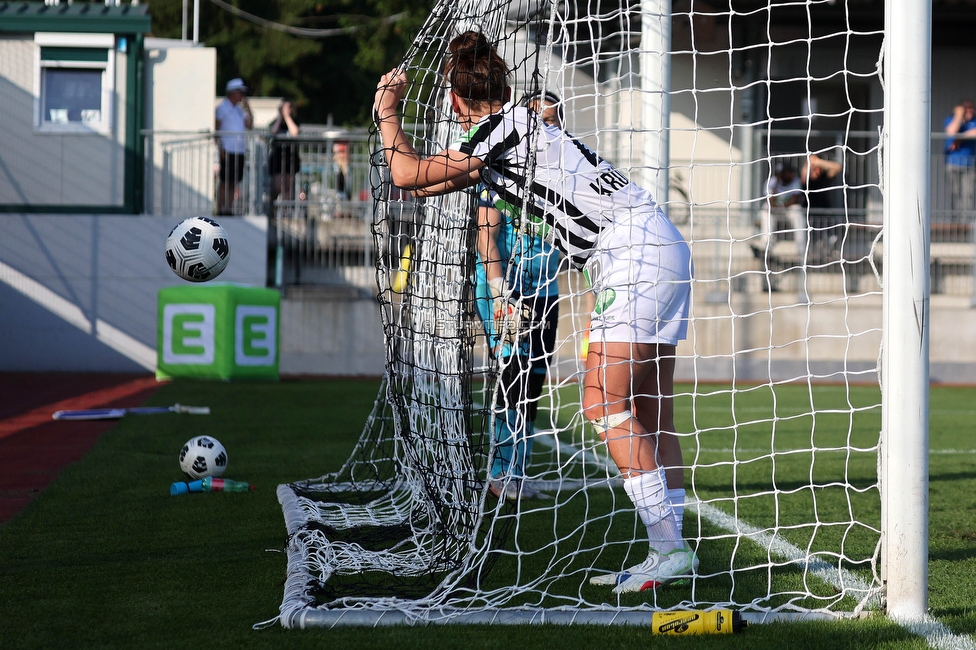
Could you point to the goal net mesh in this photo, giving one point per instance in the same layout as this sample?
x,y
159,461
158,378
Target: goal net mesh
x,y
777,400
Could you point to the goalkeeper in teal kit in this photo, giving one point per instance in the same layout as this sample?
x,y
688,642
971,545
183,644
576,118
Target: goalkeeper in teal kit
x,y
515,269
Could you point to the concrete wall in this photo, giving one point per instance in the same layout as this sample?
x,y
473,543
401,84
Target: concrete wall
x,y
797,342
179,79
78,292
775,337
331,331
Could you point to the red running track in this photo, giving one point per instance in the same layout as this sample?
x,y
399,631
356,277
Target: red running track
x,y
35,448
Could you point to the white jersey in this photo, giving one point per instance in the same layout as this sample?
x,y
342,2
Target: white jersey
x,y
233,124
575,196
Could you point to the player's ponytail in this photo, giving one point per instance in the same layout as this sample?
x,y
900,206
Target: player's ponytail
x,y
475,71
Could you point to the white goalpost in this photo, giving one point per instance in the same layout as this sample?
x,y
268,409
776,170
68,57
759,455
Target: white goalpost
x,y
801,391
905,363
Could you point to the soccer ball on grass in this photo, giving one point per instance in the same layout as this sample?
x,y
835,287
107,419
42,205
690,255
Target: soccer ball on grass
x,y
198,249
203,456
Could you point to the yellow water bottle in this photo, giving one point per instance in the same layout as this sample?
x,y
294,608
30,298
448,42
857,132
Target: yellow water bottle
x,y
690,623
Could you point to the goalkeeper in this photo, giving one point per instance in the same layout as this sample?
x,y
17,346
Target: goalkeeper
x,y
521,268
515,265
638,264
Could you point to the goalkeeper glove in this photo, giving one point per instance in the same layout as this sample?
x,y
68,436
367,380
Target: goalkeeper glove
x,y
508,315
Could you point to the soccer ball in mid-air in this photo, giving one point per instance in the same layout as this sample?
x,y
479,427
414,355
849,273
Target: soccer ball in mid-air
x,y
198,249
203,456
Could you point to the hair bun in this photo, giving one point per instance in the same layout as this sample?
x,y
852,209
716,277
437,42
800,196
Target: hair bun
x,y
474,70
473,44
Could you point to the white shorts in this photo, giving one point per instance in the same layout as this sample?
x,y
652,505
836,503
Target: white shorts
x,y
641,276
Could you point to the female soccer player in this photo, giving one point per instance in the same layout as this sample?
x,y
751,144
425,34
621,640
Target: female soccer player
x,y
637,262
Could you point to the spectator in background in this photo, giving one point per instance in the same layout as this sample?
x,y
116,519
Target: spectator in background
x,y
340,160
233,119
822,180
782,215
784,204
340,165
784,188
283,161
960,160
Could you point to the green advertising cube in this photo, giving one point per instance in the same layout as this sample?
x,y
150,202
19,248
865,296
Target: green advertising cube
x,y
218,331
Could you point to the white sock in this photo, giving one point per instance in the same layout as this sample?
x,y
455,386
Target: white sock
x,y
676,498
648,492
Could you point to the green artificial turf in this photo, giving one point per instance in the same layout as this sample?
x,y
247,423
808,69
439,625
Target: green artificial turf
x,y
106,558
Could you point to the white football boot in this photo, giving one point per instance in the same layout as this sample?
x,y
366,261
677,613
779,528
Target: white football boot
x,y
644,568
514,489
657,570
678,565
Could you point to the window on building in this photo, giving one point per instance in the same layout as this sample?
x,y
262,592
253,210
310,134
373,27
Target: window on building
x,y
75,82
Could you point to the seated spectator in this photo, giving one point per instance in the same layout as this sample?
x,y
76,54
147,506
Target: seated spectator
x,y
782,216
822,180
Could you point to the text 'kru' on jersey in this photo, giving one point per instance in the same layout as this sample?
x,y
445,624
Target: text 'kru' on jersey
x,y
572,196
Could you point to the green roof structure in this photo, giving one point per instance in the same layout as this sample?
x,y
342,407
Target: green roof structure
x,y
25,17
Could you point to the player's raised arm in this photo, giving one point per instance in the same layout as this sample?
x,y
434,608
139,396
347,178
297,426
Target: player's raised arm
x,y
448,169
453,185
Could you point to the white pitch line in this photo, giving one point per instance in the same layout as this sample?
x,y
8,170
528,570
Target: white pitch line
x,y
842,580
750,450
936,634
828,573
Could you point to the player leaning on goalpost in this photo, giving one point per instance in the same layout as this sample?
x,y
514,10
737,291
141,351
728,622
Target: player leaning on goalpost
x,y
637,262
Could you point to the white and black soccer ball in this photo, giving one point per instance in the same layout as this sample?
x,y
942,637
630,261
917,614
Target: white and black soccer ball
x,y
203,456
198,249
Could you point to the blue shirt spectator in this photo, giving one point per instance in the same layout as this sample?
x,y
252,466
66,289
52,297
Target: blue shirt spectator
x,y
961,153
960,162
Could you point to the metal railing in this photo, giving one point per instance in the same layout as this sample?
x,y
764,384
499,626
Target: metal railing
x,y
314,188
320,206
182,174
952,209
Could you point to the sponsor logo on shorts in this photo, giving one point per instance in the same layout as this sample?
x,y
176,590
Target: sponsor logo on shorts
x,y
603,300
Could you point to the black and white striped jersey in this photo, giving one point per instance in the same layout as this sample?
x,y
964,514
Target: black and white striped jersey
x,y
574,195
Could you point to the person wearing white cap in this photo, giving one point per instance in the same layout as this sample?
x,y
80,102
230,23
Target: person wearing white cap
x,y
233,118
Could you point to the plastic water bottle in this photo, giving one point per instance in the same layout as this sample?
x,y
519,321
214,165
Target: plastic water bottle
x,y
210,484
717,621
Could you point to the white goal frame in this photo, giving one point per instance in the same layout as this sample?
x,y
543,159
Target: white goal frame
x,y
905,338
904,362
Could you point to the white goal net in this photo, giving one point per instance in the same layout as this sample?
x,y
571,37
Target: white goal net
x,y
758,128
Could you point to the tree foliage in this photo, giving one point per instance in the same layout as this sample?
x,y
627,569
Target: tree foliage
x,y
332,76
